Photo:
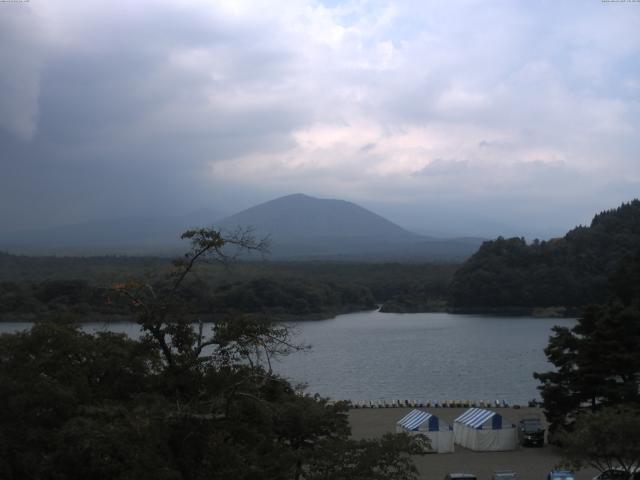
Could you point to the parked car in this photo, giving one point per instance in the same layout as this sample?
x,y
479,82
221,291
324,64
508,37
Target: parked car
x,y
505,475
560,475
618,473
460,476
531,432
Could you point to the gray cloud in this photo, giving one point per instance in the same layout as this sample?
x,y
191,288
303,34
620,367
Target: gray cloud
x,y
530,109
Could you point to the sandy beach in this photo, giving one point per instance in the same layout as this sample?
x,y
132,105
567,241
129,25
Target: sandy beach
x,y
530,463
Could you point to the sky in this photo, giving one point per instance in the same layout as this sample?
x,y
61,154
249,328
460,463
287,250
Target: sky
x,y
451,118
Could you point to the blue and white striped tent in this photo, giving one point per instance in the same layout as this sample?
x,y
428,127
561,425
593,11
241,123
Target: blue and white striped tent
x,y
484,430
479,418
418,422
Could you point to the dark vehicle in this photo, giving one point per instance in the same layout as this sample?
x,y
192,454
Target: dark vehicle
x,y
560,475
531,432
505,475
460,476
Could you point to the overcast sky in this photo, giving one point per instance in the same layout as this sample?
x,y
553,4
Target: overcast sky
x,y
466,117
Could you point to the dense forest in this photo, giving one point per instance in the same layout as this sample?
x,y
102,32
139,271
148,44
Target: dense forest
x,y
571,272
34,286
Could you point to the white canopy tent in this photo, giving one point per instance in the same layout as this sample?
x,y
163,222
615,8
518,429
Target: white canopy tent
x,y
484,430
418,422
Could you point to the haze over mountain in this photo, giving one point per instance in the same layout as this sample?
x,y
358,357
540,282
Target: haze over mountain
x,y
300,227
127,235
300,216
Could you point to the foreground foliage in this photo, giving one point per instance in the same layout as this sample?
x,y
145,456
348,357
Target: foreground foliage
x,y
179,403
606,440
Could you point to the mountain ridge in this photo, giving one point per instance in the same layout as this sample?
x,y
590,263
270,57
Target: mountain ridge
x,y
300,216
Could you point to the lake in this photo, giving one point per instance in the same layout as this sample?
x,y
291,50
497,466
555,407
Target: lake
x,y
420,356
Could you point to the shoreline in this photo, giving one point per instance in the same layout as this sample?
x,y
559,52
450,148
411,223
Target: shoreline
x,y
384,403
551,312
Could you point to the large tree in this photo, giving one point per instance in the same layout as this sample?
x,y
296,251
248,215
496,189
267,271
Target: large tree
x,y
598,360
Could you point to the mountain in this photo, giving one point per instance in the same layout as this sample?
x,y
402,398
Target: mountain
x,y
301,216
571,271
129,235
304,227
300,227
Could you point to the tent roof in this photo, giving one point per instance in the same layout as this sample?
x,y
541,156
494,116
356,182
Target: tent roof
x,y
414,419
475,417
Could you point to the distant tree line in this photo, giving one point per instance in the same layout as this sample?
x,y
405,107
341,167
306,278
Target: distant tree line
x,y
290,296
572,271
261,295
301,290
97,269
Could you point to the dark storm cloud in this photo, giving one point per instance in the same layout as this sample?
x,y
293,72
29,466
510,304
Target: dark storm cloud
x,y
116,124
21,59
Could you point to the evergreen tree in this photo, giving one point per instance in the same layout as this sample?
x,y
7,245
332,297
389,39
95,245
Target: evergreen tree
x,y
598,360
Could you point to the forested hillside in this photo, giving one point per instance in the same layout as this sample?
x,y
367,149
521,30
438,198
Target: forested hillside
x,y
572,271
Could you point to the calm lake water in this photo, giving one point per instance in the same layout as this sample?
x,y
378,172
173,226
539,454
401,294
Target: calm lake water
x,y
422,356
